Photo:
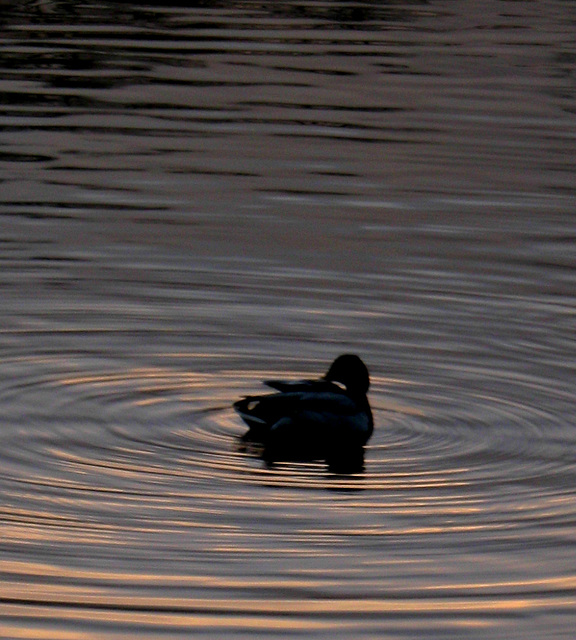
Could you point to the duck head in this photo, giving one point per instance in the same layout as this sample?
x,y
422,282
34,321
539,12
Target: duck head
x,y
350,371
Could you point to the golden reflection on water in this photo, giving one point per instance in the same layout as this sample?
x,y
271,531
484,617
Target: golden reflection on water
x,y
200,612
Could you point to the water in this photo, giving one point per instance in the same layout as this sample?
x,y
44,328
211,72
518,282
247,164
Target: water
x,y
193,199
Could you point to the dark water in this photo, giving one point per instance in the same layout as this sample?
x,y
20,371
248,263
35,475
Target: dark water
x,y
194,198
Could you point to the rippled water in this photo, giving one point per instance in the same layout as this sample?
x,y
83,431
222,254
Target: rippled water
x,y
193,199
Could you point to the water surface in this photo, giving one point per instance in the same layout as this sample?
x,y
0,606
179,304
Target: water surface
x,y
195,198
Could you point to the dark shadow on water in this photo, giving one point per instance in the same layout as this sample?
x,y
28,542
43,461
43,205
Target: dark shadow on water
x,y
349,15
339,464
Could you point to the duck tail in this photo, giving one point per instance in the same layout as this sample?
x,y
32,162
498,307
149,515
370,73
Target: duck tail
x,y
258,427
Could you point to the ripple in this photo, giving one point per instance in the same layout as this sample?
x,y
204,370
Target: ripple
x,y
125,494
150,426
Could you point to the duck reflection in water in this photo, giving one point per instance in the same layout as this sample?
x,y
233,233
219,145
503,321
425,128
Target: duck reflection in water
x,y
324,419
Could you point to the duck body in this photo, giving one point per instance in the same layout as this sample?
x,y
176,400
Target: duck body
x,y
324,419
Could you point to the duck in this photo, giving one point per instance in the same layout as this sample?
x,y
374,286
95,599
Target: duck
x,y
327,418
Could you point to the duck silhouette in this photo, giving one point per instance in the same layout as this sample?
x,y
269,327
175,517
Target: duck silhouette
x,y
328,418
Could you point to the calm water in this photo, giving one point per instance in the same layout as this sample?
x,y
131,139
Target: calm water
x,y
195,198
